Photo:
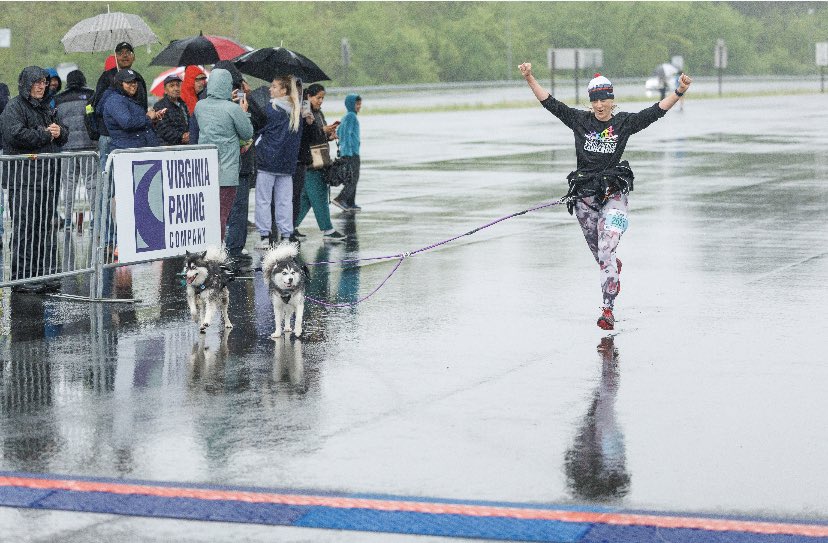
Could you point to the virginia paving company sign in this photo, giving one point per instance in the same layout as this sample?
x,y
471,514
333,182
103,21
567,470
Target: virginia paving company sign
x,y
167,202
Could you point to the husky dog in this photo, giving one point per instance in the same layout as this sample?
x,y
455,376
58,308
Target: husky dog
x,y
208,273
285,279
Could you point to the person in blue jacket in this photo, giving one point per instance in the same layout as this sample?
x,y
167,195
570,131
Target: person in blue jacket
x,y
128,123
348,134
277,150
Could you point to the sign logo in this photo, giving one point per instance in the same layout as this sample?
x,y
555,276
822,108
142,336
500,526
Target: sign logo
x,y
169,203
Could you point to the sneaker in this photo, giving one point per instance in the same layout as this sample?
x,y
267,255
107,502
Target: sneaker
x,y
355,208
298,234
606,321
264,243
333,236
339,204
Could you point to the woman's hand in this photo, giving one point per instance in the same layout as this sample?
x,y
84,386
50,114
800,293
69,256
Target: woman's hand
x,y
526,70
243,103
684,82
156,115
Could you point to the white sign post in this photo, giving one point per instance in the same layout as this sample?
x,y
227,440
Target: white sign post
x,y
167,202
720,60
822,62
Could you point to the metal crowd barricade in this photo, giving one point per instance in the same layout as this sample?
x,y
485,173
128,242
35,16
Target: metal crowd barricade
x,y
47,200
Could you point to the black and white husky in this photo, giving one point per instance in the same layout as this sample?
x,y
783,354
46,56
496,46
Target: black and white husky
x,y
207,274
285,279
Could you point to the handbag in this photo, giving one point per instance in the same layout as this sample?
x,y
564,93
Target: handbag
x,y
340,172
320,156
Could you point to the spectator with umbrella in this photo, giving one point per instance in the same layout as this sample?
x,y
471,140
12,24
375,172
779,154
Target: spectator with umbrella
x,y
124,58
277,149
195,81
174,127
129,123
228,127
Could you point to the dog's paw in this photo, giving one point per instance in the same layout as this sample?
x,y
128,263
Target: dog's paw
x,y
228,324
288,329
204,326
275,335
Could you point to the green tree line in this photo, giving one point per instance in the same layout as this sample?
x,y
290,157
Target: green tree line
x,y
422,42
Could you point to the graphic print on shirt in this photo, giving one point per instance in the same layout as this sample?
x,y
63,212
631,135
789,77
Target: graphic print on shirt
x,y
603,142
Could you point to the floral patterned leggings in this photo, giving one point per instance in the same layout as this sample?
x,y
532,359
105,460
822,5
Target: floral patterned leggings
x,y
602,227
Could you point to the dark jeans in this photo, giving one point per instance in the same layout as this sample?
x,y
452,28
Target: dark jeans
x,y
237,222
34,231
348,193
298,185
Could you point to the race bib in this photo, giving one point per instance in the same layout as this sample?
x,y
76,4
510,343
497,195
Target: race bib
x,y
616,221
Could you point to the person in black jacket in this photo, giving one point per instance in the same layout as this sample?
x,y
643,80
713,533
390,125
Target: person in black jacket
x,y
70,110
174,127
236,237
29,127
4,99
599,187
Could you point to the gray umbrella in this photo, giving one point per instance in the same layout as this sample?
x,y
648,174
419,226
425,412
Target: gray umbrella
x,y
103,32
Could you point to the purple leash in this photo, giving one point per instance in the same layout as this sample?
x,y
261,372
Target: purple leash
x,y
403,256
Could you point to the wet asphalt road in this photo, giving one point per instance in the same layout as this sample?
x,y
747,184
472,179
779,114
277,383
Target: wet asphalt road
x,y
477,371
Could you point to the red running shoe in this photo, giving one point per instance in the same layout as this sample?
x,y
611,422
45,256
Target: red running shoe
x,y
606,321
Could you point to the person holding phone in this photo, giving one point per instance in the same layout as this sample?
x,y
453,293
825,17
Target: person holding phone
x,y
130,125
224,124
314,194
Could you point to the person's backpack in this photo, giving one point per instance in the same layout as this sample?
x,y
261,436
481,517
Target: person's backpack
x,y
89,120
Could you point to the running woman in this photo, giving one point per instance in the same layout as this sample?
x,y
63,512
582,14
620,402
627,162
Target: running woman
x,y
600,186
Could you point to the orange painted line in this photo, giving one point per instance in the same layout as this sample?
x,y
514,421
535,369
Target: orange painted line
x,y
620,519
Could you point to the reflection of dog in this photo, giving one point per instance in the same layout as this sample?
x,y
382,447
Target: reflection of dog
x,y
285,279
207,274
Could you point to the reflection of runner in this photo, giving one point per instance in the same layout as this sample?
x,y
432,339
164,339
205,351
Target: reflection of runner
x,y
596,463
601,183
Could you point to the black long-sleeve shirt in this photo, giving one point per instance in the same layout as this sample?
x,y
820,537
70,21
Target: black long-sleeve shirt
x,y
596,142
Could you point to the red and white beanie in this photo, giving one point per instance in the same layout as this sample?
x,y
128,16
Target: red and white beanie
x,y
600,88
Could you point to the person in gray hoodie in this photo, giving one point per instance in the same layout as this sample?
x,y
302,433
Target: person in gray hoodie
x,y
226,125
70,110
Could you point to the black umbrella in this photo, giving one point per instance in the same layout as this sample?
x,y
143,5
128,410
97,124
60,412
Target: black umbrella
x,y
198,50
269,62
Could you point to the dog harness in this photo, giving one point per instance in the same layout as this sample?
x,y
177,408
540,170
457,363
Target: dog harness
x,y
284,294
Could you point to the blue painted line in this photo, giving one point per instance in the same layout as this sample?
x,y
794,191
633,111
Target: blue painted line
x,y
392,514
443,525
605,533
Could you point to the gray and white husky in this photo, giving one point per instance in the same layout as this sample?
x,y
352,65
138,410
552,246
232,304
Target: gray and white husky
x,y
285,279
208,273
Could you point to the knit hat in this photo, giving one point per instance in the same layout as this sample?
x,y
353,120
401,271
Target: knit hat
x,y
600,88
